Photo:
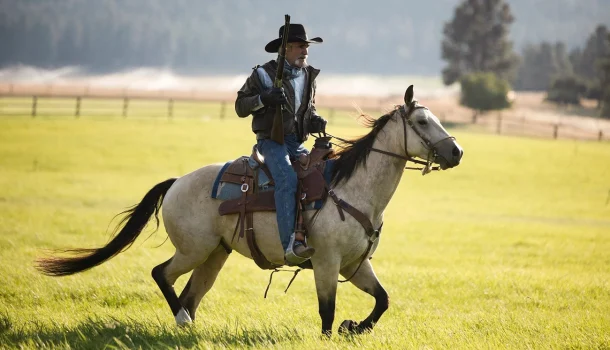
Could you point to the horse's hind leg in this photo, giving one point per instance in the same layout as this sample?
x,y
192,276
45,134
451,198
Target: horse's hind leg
x,y
166,275
202,280
366,280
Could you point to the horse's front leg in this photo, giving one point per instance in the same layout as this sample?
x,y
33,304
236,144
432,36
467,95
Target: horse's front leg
x,y
326,274
366,280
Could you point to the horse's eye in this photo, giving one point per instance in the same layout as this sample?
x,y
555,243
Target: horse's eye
x,y
422,122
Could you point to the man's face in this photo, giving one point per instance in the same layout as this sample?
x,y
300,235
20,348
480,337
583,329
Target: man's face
x,y
296,54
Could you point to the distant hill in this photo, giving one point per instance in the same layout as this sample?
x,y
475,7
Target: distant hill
x,y
391,37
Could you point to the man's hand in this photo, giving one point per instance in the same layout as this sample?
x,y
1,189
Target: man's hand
x,y
273,97
318,124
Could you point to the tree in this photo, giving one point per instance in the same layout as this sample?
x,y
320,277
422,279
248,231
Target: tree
x,y
540,65
562,59
596,48
594,91
588,63
604,66
566,90
484,92
476,40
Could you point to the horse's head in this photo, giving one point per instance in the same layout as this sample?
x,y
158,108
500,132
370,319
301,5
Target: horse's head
x,y
424,136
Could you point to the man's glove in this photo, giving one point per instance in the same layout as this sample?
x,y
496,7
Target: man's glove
x,y
273,97
317,124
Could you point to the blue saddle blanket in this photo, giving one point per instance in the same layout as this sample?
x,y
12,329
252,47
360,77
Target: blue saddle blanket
x,y
226,190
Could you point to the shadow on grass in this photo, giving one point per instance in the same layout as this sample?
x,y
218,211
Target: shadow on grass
x,y
102,333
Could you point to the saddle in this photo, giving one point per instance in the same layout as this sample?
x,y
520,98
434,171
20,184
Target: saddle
x,y
245,172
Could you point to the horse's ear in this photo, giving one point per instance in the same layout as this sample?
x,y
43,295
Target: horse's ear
x,y
409,96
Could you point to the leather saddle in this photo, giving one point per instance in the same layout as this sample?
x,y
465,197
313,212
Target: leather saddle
x,y
245,171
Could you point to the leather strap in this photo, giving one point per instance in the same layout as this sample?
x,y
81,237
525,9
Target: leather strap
x,y
242,214
363,220
232,178
256,253
246,225
357,214
226,246
336,200
299,228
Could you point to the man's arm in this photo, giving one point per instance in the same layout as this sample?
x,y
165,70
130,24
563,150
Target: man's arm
x,y
248,99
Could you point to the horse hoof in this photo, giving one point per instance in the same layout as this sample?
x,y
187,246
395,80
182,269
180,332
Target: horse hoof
x,y
326,335
183,318
348,327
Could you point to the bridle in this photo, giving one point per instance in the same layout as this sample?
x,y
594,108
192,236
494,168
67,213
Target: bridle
x,y
405,114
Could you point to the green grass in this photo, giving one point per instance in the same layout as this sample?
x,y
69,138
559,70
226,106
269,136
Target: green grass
x,y
509,250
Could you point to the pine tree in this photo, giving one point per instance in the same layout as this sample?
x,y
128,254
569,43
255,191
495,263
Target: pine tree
x,y
541,64
476,40
604,66
596,48
562,60
588,63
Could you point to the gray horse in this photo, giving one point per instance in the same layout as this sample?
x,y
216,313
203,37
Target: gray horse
x,y
366,173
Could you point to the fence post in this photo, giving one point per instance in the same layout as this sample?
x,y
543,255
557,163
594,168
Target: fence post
x,y
499,127
125,106
600,136
555,131
223,107
34,105
170,109
77,111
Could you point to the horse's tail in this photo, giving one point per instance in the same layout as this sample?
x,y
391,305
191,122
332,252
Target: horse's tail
x,y
133,222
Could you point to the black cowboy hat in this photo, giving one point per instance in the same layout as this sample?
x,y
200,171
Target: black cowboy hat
x,y
296,33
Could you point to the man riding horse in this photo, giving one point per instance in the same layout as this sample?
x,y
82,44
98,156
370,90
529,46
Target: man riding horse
x,y
345,234
261,97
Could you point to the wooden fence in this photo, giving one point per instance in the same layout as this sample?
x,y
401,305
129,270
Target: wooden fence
x,y
510,124
36,101
77,106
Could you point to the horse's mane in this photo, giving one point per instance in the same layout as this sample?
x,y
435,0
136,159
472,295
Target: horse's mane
x,y
356,152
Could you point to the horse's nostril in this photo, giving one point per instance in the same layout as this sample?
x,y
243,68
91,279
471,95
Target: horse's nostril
x,y
457,152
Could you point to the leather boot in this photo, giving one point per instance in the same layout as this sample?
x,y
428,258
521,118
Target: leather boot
x,y
297,253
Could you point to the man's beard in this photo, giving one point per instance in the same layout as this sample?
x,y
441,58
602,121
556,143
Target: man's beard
x,y
301,62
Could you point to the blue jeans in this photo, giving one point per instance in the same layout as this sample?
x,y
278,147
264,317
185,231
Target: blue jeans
x,y
277,159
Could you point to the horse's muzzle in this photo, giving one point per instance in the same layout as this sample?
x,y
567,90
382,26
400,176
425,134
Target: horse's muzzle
x,y
448,154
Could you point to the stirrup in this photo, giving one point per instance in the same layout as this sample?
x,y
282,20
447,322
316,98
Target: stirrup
x,y
290,257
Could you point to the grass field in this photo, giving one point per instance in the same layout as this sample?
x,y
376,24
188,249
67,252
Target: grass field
x,y
508,250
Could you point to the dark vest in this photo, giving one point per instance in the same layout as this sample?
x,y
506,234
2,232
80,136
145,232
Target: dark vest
x,y
294,121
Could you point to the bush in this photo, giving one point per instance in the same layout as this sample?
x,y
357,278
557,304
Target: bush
x,y
605,112
484,92
594,90
566,90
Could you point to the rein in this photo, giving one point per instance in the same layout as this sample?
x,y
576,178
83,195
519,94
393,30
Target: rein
x,y
387,153
406,119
